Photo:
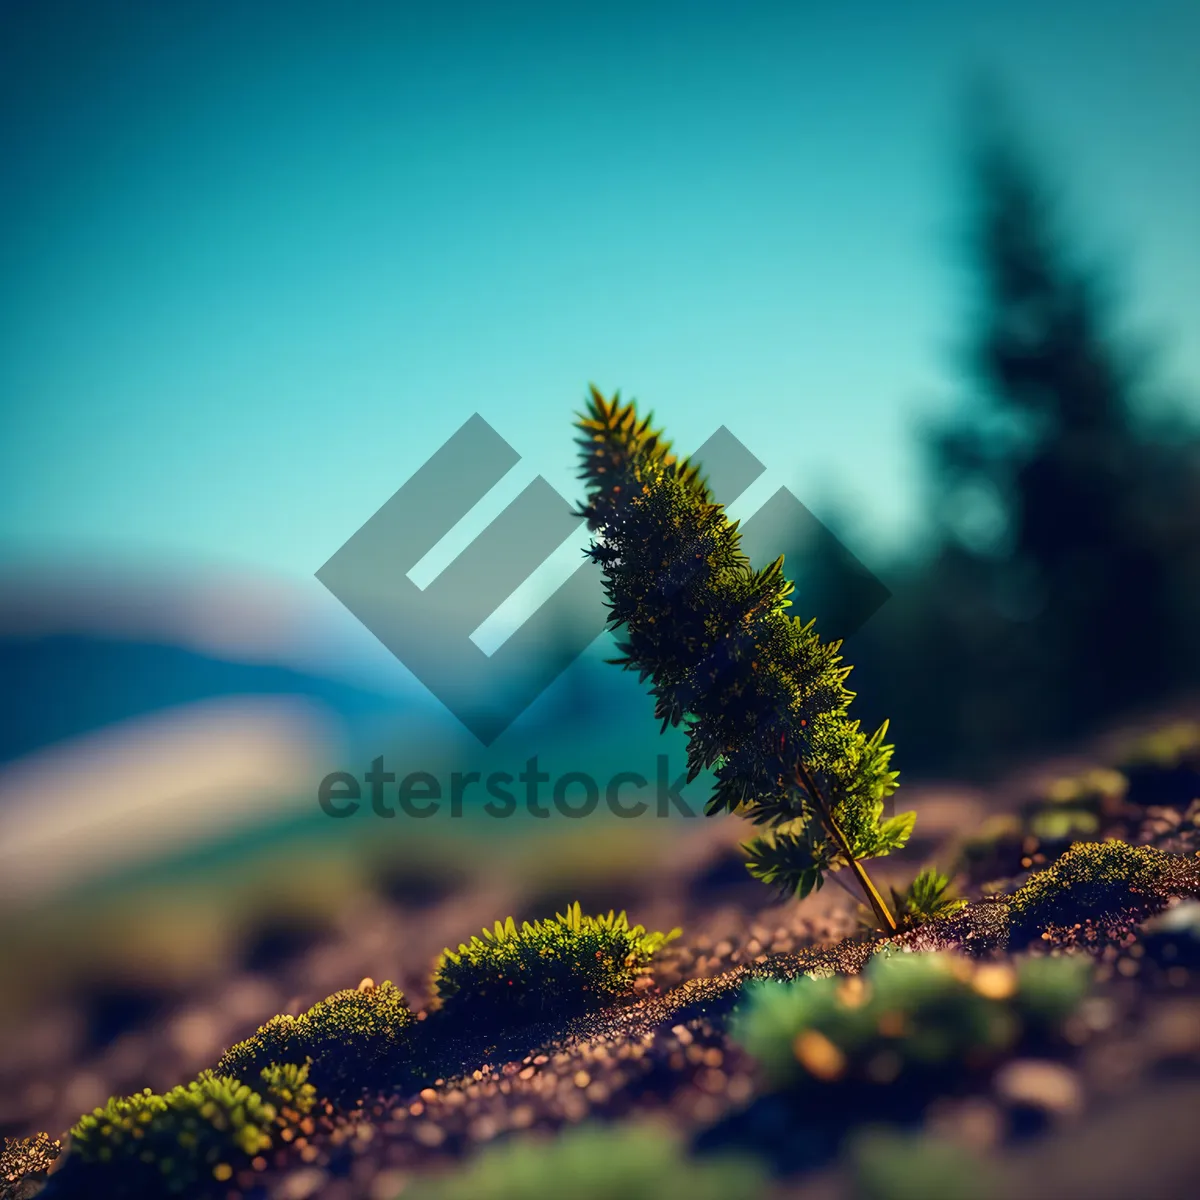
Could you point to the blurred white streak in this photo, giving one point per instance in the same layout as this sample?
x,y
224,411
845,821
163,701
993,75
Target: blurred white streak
x,y
138,790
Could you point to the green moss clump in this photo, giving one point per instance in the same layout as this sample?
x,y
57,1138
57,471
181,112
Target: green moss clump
x,y
1097,879
1168,746
1094,787
1073,807
907,1021
558,967
24,1164
597,1162
358,1033
353,1039
889,1165
280,1040
1063,810
188,1142
286,1086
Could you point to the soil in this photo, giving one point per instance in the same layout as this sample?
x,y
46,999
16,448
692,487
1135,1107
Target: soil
x,y
1106,1116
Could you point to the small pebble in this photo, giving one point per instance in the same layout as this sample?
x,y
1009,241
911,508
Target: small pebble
x,y
1040,1084
301,1185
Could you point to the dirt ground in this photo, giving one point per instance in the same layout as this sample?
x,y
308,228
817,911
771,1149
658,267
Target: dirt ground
x,y
1112,1115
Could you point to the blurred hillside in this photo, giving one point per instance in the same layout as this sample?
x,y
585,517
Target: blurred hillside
x,y
180,712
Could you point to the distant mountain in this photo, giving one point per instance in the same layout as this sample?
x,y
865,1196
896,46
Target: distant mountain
x,y
82,648
144,717
64,685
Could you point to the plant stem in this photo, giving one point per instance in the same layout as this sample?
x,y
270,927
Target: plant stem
x,y
882,913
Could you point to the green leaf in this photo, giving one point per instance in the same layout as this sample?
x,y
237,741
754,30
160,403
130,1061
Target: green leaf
x,y
895,831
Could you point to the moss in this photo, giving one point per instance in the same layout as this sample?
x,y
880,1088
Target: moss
x,y
286,1086
1096,879
25,1163
1063,823
1063,810
889,1165
1072,807
188,1142
1167,746
358,1034
560,967
353,1039
1093,788
594,1162
279,1040
908,1020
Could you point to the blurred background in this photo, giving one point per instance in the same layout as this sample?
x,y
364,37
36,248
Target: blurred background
x,y
938,268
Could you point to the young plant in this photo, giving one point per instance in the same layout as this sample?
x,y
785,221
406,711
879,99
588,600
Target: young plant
x,y
929,896
763,698
567,965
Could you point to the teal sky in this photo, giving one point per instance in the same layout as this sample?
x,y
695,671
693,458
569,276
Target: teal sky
x,y
258,261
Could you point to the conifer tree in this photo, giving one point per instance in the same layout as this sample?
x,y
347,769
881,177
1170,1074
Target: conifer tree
x,y
763,698
1057,590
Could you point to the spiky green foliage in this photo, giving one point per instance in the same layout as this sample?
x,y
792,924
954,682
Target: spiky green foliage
x,y
570,964
930,895
764,700
24,1164
188,1142
1095,879
907,1020
355,1038
597,1162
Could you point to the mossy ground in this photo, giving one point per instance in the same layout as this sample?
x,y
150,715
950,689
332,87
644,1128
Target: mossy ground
x,y
666,1051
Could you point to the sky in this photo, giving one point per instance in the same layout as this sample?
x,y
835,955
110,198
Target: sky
x,y
258,262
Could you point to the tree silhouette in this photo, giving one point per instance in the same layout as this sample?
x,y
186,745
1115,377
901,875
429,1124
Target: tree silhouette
x,y
1066,520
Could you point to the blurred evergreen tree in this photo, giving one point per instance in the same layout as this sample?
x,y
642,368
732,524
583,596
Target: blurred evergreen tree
x,y
1062,587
